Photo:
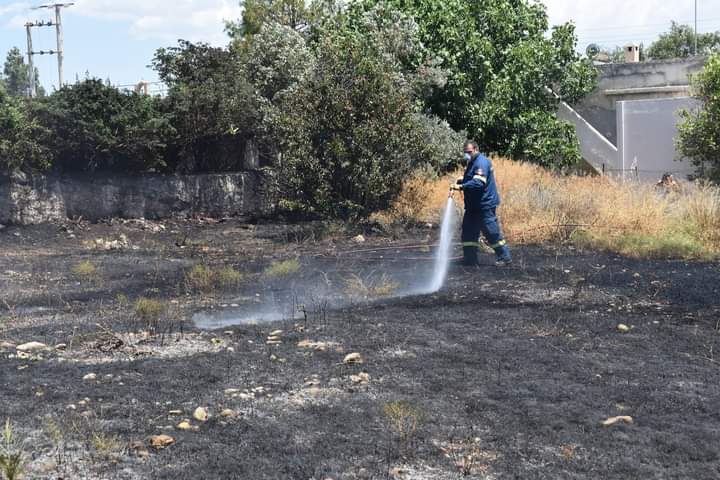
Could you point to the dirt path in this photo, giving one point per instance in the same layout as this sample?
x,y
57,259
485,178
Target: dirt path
x,y
505,373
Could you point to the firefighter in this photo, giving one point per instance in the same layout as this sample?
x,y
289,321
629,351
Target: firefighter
x,y
481,202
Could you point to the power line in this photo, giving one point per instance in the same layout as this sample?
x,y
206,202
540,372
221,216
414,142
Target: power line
x,y
59,38
645,25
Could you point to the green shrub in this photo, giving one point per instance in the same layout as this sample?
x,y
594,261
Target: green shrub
x,y
97,127
21,138
351,130
699,129
213,109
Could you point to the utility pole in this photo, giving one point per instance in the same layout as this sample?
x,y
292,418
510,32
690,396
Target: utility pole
x,y
696,38
59,39
31,72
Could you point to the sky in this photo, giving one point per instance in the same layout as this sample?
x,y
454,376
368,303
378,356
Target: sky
x,y
116,39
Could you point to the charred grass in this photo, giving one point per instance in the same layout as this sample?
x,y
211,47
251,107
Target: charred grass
x,y
504,373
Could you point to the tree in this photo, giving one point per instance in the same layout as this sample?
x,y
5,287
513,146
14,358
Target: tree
x,y
211,105
503,67
699,137
679,42
17,75
346,117
256,13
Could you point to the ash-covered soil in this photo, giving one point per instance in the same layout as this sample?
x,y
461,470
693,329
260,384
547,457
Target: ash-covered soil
x,y
504,373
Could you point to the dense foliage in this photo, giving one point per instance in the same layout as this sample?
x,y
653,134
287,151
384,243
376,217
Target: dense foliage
x,y
501,69
699,137
211,106
20,144
345,103
97,127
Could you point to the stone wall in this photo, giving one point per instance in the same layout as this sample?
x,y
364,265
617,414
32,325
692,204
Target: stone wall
x,y
38,199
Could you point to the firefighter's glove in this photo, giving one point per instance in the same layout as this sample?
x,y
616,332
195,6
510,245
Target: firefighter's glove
x,y
455,186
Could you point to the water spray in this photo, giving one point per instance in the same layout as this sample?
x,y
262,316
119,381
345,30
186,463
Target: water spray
x,y
442,256
271,308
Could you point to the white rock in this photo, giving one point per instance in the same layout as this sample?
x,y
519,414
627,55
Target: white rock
x,y
275,333
184,425
200,414
360,379
90,376
622,328
359,239
620,419
31,347
353,358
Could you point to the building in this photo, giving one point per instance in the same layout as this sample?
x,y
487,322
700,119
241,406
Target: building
x,y
628,125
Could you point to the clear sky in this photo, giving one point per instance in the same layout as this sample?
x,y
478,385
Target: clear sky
x,y
116,38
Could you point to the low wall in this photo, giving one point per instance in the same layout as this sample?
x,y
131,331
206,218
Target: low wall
x,y
29,200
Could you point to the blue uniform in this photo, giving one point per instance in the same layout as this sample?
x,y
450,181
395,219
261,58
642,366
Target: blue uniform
x,y
481,202
479,184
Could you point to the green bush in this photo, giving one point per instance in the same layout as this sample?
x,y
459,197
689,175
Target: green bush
x,y
211,105
350,131
21,138
699,129
98,127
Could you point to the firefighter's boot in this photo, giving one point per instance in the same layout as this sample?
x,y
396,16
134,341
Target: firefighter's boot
x,y
502,255
470,256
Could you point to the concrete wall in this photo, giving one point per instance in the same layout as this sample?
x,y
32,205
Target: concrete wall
x,y
647,130
635,81
596,150
39,199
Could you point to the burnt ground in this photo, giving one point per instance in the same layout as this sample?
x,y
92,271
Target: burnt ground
x,y
504,373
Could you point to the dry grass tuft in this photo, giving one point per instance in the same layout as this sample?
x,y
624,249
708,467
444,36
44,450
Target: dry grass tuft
x,y
12,456
149,309
282,268
207,279
403,418
383,287
598,212
84,270
107,446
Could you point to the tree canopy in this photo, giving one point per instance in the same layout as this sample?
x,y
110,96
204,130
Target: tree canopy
x,y
679,42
